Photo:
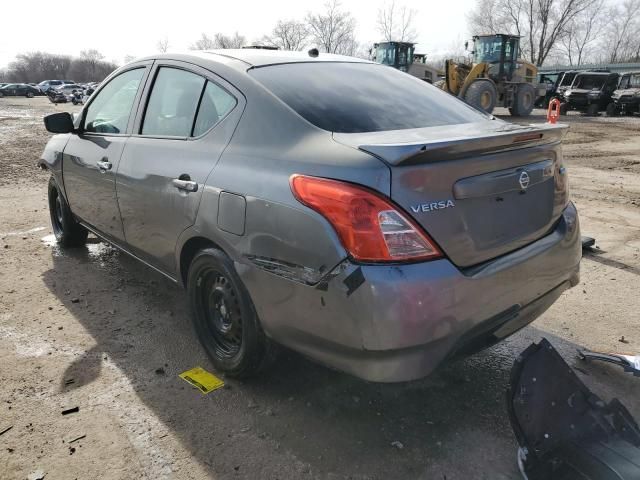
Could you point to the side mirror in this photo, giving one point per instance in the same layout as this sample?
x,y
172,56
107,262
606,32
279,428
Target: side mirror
x,y
59,123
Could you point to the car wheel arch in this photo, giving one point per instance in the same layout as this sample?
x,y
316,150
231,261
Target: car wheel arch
x,y
188,251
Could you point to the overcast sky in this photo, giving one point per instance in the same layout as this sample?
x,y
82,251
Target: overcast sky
x,y
133,27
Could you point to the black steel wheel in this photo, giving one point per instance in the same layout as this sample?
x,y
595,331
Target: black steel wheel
x,y
68,232
224,317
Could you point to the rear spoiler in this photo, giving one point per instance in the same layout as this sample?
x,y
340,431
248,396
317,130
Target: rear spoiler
x,y
478,143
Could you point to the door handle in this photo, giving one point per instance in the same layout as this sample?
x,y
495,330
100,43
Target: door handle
x,y
104,165
186,185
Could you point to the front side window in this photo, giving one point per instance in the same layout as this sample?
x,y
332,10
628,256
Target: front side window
x,y
173,103
110,110
362,97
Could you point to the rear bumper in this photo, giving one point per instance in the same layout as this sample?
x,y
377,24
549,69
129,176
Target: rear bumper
x,y
392,323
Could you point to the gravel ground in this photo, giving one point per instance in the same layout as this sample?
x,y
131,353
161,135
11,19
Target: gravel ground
x,y
94,329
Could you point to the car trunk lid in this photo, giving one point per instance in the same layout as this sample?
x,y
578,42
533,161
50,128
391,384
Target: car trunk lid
x,y
479,190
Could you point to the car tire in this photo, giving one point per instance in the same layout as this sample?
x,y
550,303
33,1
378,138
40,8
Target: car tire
x,y
612,111
524,99
68,232
593,110
482,95
29,95
564,108
224,317
1,94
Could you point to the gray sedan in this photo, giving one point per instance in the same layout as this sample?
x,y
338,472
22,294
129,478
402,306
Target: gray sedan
x,y
332,205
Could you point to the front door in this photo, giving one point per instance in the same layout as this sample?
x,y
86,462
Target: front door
x,y
91,157
189,118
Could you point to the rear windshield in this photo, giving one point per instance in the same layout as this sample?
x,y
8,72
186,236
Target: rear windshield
x,y
362,97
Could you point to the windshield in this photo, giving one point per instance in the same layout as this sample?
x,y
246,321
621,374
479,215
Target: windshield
x,y
489,49
630,81
362,97
567,79
587,82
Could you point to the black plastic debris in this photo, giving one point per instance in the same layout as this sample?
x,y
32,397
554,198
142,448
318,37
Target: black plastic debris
x,y
629,363
588,242
70,410
565,431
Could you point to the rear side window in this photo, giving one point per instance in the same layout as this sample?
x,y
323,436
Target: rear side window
x,y
215,104
109,111
173,103
362,97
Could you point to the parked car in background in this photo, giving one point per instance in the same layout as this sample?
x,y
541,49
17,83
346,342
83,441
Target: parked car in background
x,y
64,93
551,82
626,99
47,85
19,90
590,92
301,201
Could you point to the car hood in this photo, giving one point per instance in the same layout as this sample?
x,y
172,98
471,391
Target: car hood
x,y
581,90
626,91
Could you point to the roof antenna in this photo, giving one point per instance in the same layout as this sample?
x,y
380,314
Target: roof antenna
x,y
313,52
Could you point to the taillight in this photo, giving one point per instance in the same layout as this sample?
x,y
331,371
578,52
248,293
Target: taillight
x,y
370,227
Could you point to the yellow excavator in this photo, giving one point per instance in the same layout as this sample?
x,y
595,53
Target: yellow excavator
x,y
495,77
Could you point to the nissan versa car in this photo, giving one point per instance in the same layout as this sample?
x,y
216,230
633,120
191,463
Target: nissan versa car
x,y
335,206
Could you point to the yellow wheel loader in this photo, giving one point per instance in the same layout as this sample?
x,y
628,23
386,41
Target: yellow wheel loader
x,y
496,77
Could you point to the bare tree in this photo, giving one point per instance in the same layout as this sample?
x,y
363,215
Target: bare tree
x,y
623,31
38,66
396,22
92,58
583,32
163,45
129,58
542,23
288,35
229,41
203,43
333,29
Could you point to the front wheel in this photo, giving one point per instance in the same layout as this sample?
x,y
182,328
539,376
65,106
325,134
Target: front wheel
x,y
224,317
29,94
564,108
482,95
593,109
612,111
68,232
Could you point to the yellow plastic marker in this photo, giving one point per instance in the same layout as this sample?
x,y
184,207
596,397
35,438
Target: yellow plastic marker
x,y
201,379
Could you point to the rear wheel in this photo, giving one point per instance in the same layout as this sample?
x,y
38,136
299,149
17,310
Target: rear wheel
x,y
482,95
524,100
68,232
224,317
564,108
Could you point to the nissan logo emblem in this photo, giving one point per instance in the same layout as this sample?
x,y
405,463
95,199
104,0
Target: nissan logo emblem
x,y
524,180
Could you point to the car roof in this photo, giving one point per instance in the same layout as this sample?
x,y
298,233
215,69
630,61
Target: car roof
x,y
254,57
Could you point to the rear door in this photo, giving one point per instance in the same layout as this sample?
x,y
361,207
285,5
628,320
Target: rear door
x,y
91,157
187,119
